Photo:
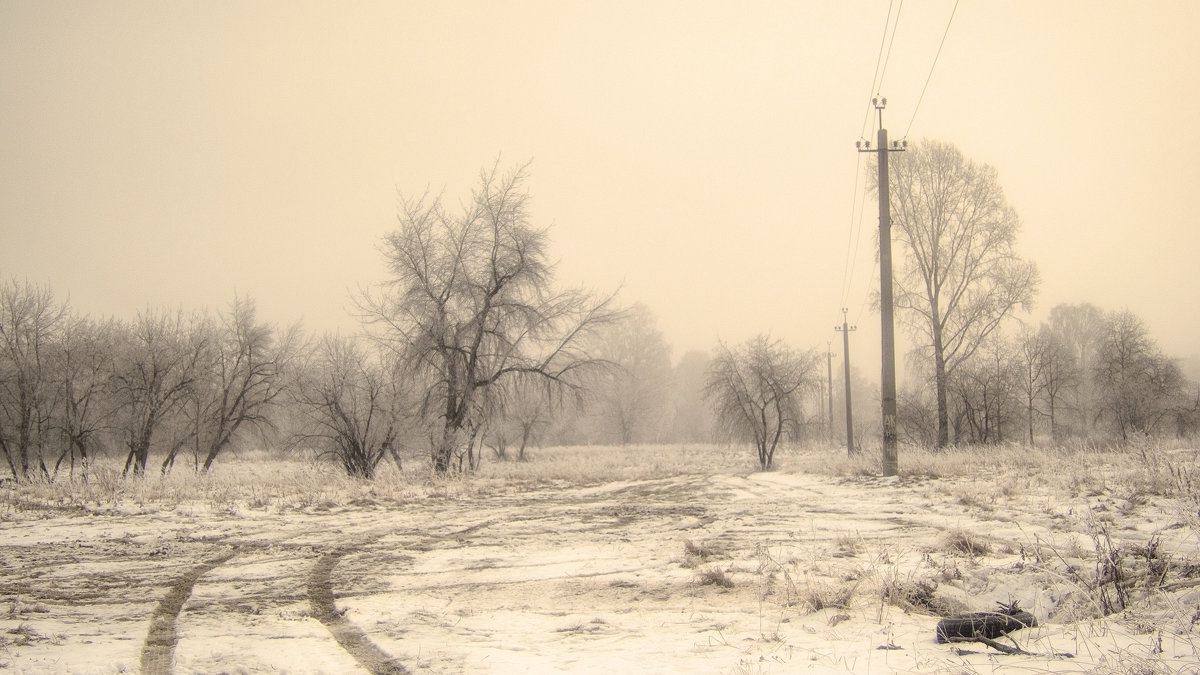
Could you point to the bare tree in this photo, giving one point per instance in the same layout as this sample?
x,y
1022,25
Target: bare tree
x,y
242,378
632,396
526,408
983,390
691,418
960,276
352,404
916,414
757,391
1079,330
161,359
83,377
1059,373
1139,386
469,304
1034,351
29,317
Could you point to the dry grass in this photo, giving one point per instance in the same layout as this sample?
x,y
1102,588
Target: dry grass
x,y
590,465
968,543
714,576
696,554
263,480
1137,470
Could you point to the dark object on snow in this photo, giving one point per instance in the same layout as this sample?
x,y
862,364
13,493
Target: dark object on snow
x,y
990,625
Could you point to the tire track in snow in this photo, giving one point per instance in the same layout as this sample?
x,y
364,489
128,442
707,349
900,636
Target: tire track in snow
x,y
158,651
348,635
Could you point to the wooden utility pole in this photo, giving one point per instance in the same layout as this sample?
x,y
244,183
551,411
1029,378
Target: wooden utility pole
x,y
829,390
845,329
891,462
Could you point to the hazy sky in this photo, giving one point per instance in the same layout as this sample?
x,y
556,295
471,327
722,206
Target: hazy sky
x,y
699,153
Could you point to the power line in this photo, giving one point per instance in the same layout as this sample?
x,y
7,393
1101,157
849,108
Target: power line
x,y
848,268
931,67
891,42
857,200
853,245
875,81
867,297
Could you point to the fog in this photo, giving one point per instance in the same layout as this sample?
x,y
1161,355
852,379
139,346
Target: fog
x,y
698,154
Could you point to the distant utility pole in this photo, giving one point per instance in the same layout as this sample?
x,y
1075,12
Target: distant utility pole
x,y
829,390
845,329
891,462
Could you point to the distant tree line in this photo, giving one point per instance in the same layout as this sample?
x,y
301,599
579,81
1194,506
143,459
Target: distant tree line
x,y
959,284
1084,373
167,387
469,351
71,386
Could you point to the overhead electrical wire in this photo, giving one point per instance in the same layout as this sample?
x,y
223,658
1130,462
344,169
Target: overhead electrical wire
x,y
931,67
848,266
879,61
891,42
856,205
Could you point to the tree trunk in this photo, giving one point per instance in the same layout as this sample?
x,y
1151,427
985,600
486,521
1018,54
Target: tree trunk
x,y
1030,413
526,430
943,414
215,449
128,462
443,452
139,452
12,466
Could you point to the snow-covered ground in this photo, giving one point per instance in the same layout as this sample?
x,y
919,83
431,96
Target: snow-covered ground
x,y
717,573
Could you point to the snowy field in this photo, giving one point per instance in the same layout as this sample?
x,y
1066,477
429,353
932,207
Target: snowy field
x,y
648,560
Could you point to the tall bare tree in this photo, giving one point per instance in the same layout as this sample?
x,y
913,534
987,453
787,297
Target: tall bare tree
x,y
1079,329
691,418
1140,387
757,391
243,378
1034,365
959,276
83,377
29,318
469,304
632,396
1059,372
162,358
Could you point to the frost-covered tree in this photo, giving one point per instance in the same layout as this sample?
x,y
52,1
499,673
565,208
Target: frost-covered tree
x,y
470,303
353,406
1138,386
161,357
757,392
958,276
631,397
29,320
